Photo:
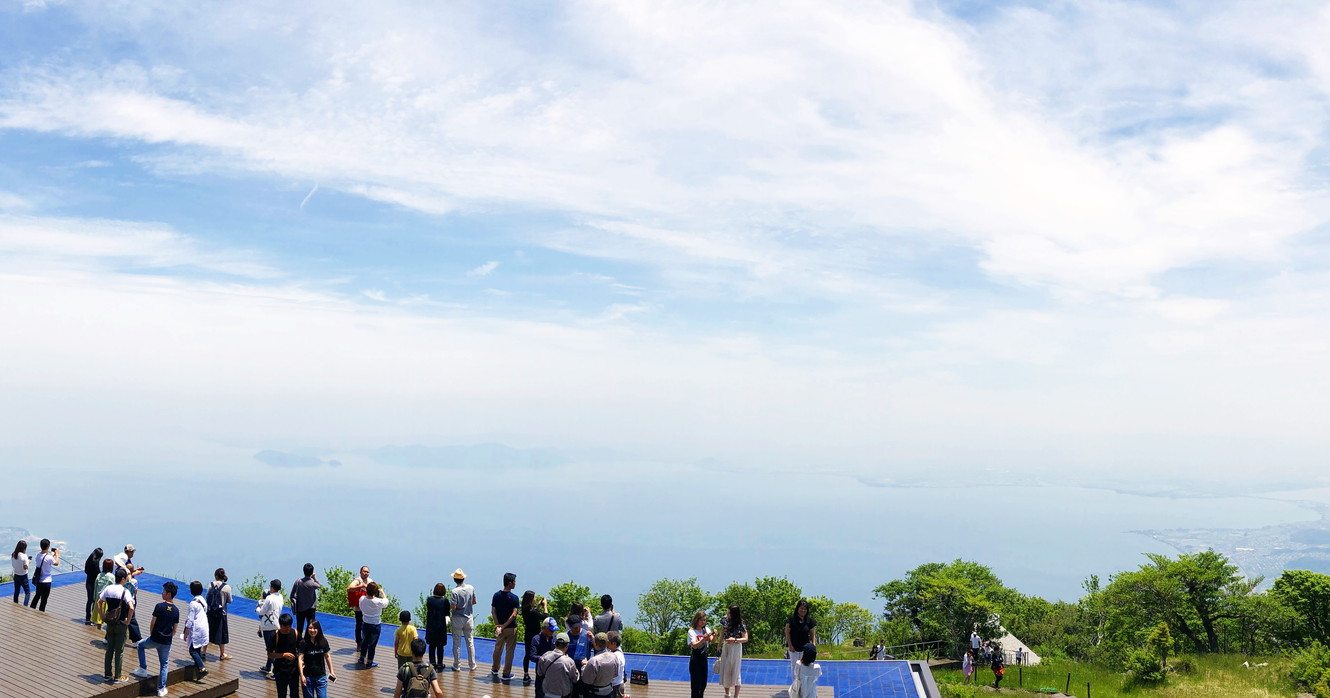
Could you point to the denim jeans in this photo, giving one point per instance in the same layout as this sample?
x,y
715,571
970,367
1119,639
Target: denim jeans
x,y
317,686
369,641
196,654
288,685
269,641
163,656
21,580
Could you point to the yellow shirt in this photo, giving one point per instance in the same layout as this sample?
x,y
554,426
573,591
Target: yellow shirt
x,y
405,635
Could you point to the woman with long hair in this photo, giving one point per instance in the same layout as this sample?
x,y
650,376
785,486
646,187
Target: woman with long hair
x,y
699,644
20,563
809,672
314,662
732,651
438,608
91,568
105,579
533,615
967,666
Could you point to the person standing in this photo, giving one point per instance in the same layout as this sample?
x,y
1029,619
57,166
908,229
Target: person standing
x,y
218,598
269,612
608,619
105,579
165,618
125,560
41,574
598,673
315,662
117,608
354,592
699,644
539,646
809,672
975,642
371,605
91,568
613,645
503,611
132,590
437,611
735,634
463,600
282,654
417,678
580,646
967,667
800,629
196,628
998,670
305,597
20,563
402,639
556,672
1020,656
533,619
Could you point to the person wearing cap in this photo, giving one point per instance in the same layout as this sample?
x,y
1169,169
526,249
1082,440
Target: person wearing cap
x,y
125,561
556,673
503,611
580,645
463,603
598,672
541,644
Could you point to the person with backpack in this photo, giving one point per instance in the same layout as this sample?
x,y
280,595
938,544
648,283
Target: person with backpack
x,y
463,600
371,605
417,678
196,628
437,611
105,579
165,618
269,612
354,592
609,619
218,598
315,661
556,673
20,563
117,608
41,575
282,654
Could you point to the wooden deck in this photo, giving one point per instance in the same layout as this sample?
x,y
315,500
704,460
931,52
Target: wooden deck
x,y
54,654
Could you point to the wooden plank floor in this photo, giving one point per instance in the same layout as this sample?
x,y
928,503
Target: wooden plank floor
x,y
53,654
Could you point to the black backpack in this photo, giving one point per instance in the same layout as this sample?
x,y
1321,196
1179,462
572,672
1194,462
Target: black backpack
x,y
214,598
416,678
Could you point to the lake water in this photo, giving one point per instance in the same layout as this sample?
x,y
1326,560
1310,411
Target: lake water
x,y
616,528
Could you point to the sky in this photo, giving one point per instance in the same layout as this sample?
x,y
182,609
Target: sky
x,y
879,239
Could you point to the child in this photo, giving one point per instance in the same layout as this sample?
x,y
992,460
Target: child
x,y
406,634
809,671
967,665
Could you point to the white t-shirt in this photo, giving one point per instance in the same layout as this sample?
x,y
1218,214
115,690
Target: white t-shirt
x,y
20,564
622,666
694,633
371,609
808,675
269,611
43,571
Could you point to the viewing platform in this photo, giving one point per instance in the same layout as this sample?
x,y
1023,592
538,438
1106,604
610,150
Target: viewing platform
x,y
53,654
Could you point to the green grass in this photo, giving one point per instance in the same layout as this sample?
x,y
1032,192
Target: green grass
x,y
1211,676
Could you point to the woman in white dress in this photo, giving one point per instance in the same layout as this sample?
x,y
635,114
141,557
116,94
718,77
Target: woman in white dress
x,y
732,651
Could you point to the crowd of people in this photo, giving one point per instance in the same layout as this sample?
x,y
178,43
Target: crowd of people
x,y
981,652
582,659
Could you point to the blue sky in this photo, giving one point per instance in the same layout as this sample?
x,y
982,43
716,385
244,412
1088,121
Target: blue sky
x,y
865,236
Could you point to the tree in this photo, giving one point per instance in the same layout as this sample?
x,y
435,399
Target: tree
x,y
838,621
1161,641
765,604
670,604
1307,595
563,596
945,601
1191,594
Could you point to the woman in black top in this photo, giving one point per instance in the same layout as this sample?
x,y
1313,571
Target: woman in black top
x,y
532,617
315,659
91,568
438,608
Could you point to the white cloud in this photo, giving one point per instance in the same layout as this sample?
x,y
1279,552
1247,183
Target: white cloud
x,y
484,270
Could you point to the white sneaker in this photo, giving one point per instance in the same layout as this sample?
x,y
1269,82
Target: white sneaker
x,y
141,673
161,692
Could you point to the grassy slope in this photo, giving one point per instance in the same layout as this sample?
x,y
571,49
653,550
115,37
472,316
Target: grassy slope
x,y
1212,677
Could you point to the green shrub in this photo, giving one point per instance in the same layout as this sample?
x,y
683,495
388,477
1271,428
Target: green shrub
x,y
1142,665
1310,665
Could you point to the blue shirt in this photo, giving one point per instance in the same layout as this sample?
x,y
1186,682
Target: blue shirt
x,y
505,604
580,647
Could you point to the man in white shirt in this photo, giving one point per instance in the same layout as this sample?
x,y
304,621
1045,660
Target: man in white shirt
x,y
612,642
464,602
117,607
41,574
